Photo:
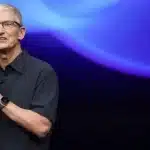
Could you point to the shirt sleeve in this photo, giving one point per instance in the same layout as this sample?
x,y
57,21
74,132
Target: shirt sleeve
x,y
45,95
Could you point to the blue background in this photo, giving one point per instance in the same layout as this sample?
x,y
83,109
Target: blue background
x,y
100,51
114,33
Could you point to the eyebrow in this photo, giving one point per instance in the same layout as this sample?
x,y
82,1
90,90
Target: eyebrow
x,y
20,25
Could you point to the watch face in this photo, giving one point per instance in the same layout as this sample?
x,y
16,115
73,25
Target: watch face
x,y
5,100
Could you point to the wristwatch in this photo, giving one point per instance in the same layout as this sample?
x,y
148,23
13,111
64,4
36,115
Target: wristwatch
x,y
3,102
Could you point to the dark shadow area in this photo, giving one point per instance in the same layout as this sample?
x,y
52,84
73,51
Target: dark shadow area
x,y
99,108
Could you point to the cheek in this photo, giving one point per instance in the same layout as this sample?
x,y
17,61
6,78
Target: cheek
x,y
13,38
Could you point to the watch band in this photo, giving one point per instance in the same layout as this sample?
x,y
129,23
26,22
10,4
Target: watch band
x,y
3,102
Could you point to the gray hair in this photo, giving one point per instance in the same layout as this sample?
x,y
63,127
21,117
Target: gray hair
x,y
15,10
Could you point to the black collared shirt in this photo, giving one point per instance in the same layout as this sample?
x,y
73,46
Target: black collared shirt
x,y
32,84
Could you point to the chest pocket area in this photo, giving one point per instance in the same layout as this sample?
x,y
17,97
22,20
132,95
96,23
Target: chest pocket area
x,y
20,91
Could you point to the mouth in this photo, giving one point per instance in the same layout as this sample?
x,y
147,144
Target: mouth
x,y
3,39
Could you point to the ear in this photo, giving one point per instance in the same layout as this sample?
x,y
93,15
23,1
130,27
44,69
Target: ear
x,y
21,33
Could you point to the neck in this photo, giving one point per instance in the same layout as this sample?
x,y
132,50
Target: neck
x,y
7,56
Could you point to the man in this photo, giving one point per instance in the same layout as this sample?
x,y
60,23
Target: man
x,y
28,89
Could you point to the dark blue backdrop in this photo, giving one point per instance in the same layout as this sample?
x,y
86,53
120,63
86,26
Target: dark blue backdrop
x,y
99,108
94,45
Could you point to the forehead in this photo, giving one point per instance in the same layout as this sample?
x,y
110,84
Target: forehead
x,y
6,14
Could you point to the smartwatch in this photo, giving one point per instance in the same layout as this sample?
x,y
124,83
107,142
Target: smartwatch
x,y
3,102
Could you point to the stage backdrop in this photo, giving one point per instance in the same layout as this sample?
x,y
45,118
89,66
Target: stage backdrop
x,y
100,50
114,33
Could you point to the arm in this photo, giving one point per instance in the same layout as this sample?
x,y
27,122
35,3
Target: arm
x,y
40,116
28,119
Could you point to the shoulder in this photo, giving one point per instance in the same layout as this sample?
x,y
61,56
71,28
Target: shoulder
x,y
37,64
39,68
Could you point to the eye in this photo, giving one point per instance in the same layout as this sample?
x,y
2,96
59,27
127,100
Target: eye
x,y
7,23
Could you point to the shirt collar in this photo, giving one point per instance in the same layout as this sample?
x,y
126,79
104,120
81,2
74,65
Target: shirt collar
x,y
19,62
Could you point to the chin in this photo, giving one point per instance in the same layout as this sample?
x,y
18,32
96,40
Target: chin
x,y
3,48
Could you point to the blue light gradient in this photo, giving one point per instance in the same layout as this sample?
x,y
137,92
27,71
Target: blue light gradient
x,y
115,33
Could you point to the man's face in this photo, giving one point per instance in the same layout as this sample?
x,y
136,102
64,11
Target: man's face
x,y
10,32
